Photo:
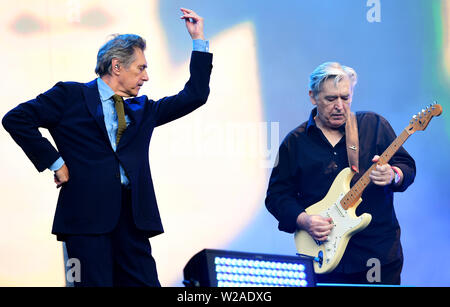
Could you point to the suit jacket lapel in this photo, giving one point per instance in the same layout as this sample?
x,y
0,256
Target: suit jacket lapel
x,y
94,105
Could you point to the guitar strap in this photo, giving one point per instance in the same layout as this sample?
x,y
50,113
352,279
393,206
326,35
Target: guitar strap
x,y
352,142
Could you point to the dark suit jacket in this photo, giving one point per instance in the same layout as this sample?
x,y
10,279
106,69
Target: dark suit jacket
x,y
90,202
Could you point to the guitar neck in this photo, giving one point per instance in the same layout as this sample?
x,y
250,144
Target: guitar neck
x,y
356,191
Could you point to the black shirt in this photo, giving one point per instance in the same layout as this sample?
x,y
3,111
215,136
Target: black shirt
x,y
306,167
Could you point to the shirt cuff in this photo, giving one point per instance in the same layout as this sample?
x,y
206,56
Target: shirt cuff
x,y
200,45
56,165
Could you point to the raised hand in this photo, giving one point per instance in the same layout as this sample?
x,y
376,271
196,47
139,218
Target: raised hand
x,y
194,23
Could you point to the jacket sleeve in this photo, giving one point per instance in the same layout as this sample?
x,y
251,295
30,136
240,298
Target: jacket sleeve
x,y
282,199
194,94
23,122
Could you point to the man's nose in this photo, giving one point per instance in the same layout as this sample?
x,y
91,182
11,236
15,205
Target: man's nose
x,y
145,76
339,104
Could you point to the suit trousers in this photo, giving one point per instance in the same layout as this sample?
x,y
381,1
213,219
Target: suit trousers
x,y
121,258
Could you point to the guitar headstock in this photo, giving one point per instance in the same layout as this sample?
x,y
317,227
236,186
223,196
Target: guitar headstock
x,y
421,120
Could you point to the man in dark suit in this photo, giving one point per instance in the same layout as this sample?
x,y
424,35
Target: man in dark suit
x,y
107,208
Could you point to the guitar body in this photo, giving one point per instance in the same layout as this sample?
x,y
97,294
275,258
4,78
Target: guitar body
x,y
346,224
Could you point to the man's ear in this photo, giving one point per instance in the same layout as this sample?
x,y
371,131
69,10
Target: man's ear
x,y
115,66
312,98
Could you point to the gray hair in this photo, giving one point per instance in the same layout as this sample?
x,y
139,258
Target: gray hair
x,y
329,70
121,47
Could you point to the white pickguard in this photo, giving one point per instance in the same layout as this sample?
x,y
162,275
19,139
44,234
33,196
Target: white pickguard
x,y
343,224
346,224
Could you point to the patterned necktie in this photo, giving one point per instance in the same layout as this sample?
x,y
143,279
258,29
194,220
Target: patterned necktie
x,y
118,104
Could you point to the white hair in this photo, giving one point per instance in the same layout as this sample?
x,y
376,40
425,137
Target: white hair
x,y
329,70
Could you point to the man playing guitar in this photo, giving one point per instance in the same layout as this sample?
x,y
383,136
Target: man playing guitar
x,y
313,154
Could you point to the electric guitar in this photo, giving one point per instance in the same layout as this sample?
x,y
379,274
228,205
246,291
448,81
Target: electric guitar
x,y
341,202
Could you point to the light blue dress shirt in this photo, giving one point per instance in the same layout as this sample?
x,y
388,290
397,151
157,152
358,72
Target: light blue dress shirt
x,y
110,115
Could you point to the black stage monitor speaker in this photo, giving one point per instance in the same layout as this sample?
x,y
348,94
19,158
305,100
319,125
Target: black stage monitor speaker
x,y
220,268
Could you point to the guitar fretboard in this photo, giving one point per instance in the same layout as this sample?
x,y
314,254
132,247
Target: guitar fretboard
x,y
356,191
